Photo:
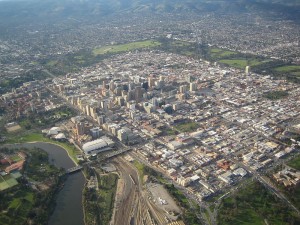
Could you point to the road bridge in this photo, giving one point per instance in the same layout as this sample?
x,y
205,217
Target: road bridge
x,y
74,169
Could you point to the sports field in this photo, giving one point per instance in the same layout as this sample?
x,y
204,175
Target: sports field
x,y
125,47
7,181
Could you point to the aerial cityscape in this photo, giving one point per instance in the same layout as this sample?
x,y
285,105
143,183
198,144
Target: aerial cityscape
x,y
149,113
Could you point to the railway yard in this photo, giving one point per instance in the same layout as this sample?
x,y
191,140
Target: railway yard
x,y
135,203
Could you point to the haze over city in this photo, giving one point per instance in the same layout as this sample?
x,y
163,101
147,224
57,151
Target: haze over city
x,y
148,112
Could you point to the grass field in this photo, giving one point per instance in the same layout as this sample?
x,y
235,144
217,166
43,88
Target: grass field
x,y
220,53
287,69
179,43
52,63
295,163
125,47
7,182
187,127
276,95
255,205
15,158
241,63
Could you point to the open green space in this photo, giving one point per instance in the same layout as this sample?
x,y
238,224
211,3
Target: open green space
x,y
293,194
73,62
15,158
297,74
276,95
17,207
46,119
7,181
125,47
220,53
292,72
170,131
98,205
39,169
255,205
241,63
187,127
52,63
287,69
295,163
3,185
22,204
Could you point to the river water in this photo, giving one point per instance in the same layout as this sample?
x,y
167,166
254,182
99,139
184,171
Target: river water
x,y
69,209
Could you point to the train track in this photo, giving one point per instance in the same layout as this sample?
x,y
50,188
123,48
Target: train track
x,y
134,206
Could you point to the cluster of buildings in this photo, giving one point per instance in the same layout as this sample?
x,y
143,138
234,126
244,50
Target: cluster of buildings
x,y
203,125
10,167
31,97
255,35
11,164
289,177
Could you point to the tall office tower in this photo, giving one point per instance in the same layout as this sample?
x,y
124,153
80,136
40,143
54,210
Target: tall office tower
x,y
193,86
154,101
121,101
138,93
247,70
104,83
112,85
130,86
101,119
79,129
151,82
118,91
87,110
188,78
183,88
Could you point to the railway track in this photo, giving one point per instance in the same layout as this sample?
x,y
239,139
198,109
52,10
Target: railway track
x,y
134,206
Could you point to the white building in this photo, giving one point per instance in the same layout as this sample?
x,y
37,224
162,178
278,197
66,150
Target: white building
x,y
97,146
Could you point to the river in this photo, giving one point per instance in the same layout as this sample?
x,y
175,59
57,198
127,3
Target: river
x,y
69,209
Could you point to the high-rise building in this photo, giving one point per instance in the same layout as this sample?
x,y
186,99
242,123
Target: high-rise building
x,y
131,86
80,129
183,88
104,84
101,120
151,82
193,86
121,101
154,101
138,93
247,70
87,109
118,91
131,95
188,78
95,132
112,85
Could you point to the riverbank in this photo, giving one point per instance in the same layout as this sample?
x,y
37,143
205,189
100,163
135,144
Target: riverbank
x,y
69,208
34,195
37,137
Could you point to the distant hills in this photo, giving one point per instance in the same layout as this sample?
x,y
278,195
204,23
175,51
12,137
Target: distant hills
x,y
48,10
